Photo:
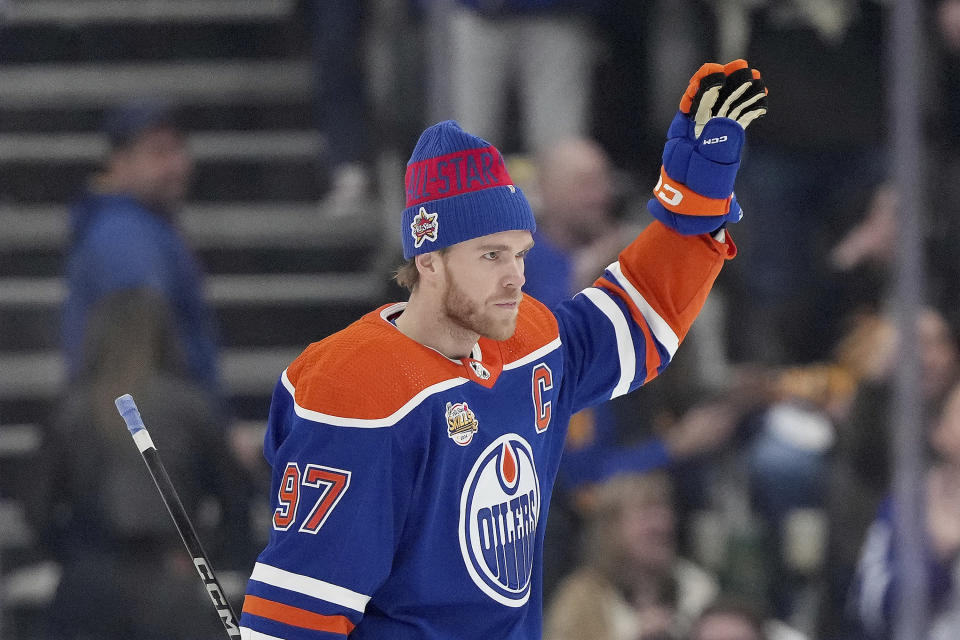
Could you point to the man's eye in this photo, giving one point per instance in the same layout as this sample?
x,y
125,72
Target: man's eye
x,y
491,255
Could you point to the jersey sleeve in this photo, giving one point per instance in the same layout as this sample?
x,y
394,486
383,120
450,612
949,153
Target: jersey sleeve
x,y
339,497
624,330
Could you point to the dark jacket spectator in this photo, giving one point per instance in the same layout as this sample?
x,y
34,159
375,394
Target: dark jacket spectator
x,y
124,569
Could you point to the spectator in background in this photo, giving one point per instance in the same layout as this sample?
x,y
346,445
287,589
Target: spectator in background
x,y
125,573
343,111
943,140
735,619
729,620
861,464
545,50
874,594
814,168
870,246
578,230
124,234
631,583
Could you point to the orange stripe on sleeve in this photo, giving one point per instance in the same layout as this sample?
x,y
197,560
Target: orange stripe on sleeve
x,y
674,273
296,617
652,355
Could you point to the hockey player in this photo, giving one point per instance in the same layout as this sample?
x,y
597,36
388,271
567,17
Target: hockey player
x,y
414,452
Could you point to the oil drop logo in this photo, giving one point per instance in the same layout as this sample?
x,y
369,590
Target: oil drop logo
x,y
499,512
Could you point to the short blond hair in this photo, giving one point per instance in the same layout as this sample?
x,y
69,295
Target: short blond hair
x,y
407,275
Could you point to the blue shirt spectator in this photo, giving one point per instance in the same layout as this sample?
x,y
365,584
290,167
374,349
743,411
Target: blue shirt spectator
x,y
119,243
123,236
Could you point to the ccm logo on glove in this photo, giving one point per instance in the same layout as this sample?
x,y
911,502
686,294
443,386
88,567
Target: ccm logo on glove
x,y
667,193
715,140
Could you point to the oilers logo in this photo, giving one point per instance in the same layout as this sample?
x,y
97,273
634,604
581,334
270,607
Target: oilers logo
x,y
499,511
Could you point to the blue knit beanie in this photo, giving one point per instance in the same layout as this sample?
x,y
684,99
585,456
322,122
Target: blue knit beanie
x,y
458,188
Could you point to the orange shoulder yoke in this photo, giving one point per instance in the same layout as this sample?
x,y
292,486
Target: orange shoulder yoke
x,y
367,371
536,328
370,369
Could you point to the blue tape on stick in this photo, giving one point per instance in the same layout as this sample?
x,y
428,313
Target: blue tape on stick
x,y
131,415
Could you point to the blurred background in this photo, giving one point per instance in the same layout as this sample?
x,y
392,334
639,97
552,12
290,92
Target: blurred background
x,y
191,191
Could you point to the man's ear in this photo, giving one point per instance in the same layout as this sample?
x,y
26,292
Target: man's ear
x,y
428,264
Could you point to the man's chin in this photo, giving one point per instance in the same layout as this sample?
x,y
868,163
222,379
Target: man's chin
x,y
502,331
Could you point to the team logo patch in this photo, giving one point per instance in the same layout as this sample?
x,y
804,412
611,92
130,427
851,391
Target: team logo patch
x,y
425,226
480,370
499,511
461,423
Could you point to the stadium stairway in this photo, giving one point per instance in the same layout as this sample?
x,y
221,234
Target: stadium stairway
x,y
281,271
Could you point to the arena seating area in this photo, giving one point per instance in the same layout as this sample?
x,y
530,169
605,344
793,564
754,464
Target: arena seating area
x,y
281,271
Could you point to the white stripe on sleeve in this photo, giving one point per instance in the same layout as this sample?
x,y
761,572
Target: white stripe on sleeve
x,y
249,634
309,586
661,329
621,328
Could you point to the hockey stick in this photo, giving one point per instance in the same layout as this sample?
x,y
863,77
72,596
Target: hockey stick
x,y
131,415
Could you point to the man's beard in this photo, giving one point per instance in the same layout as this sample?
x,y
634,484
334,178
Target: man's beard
x,y
467,314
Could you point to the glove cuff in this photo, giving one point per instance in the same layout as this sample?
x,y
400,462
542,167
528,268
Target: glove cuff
x,y
684,225
680,198
688,225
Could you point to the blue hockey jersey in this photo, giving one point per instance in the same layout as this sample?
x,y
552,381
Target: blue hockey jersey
x,y
410,490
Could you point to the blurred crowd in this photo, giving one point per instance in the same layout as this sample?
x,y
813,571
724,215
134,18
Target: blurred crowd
x,y
745,494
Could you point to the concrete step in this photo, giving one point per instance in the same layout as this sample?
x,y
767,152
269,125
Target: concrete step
x,y
227,225
229,238
151,42
251,310
40,375
204,146
255,325
40,409
78,12
345,258
131,30
253,114
293,181
222,290
30,86
249,182
242,165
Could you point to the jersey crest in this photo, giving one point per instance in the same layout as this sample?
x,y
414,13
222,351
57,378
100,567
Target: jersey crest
x,y
461,423
499,511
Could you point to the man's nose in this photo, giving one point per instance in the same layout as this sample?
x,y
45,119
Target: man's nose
x,y
514,276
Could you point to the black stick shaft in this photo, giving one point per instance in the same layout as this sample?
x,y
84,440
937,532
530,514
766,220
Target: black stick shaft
x,y
131,415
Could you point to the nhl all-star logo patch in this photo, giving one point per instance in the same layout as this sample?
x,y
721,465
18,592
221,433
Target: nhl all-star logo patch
x,y
461,423
425,226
